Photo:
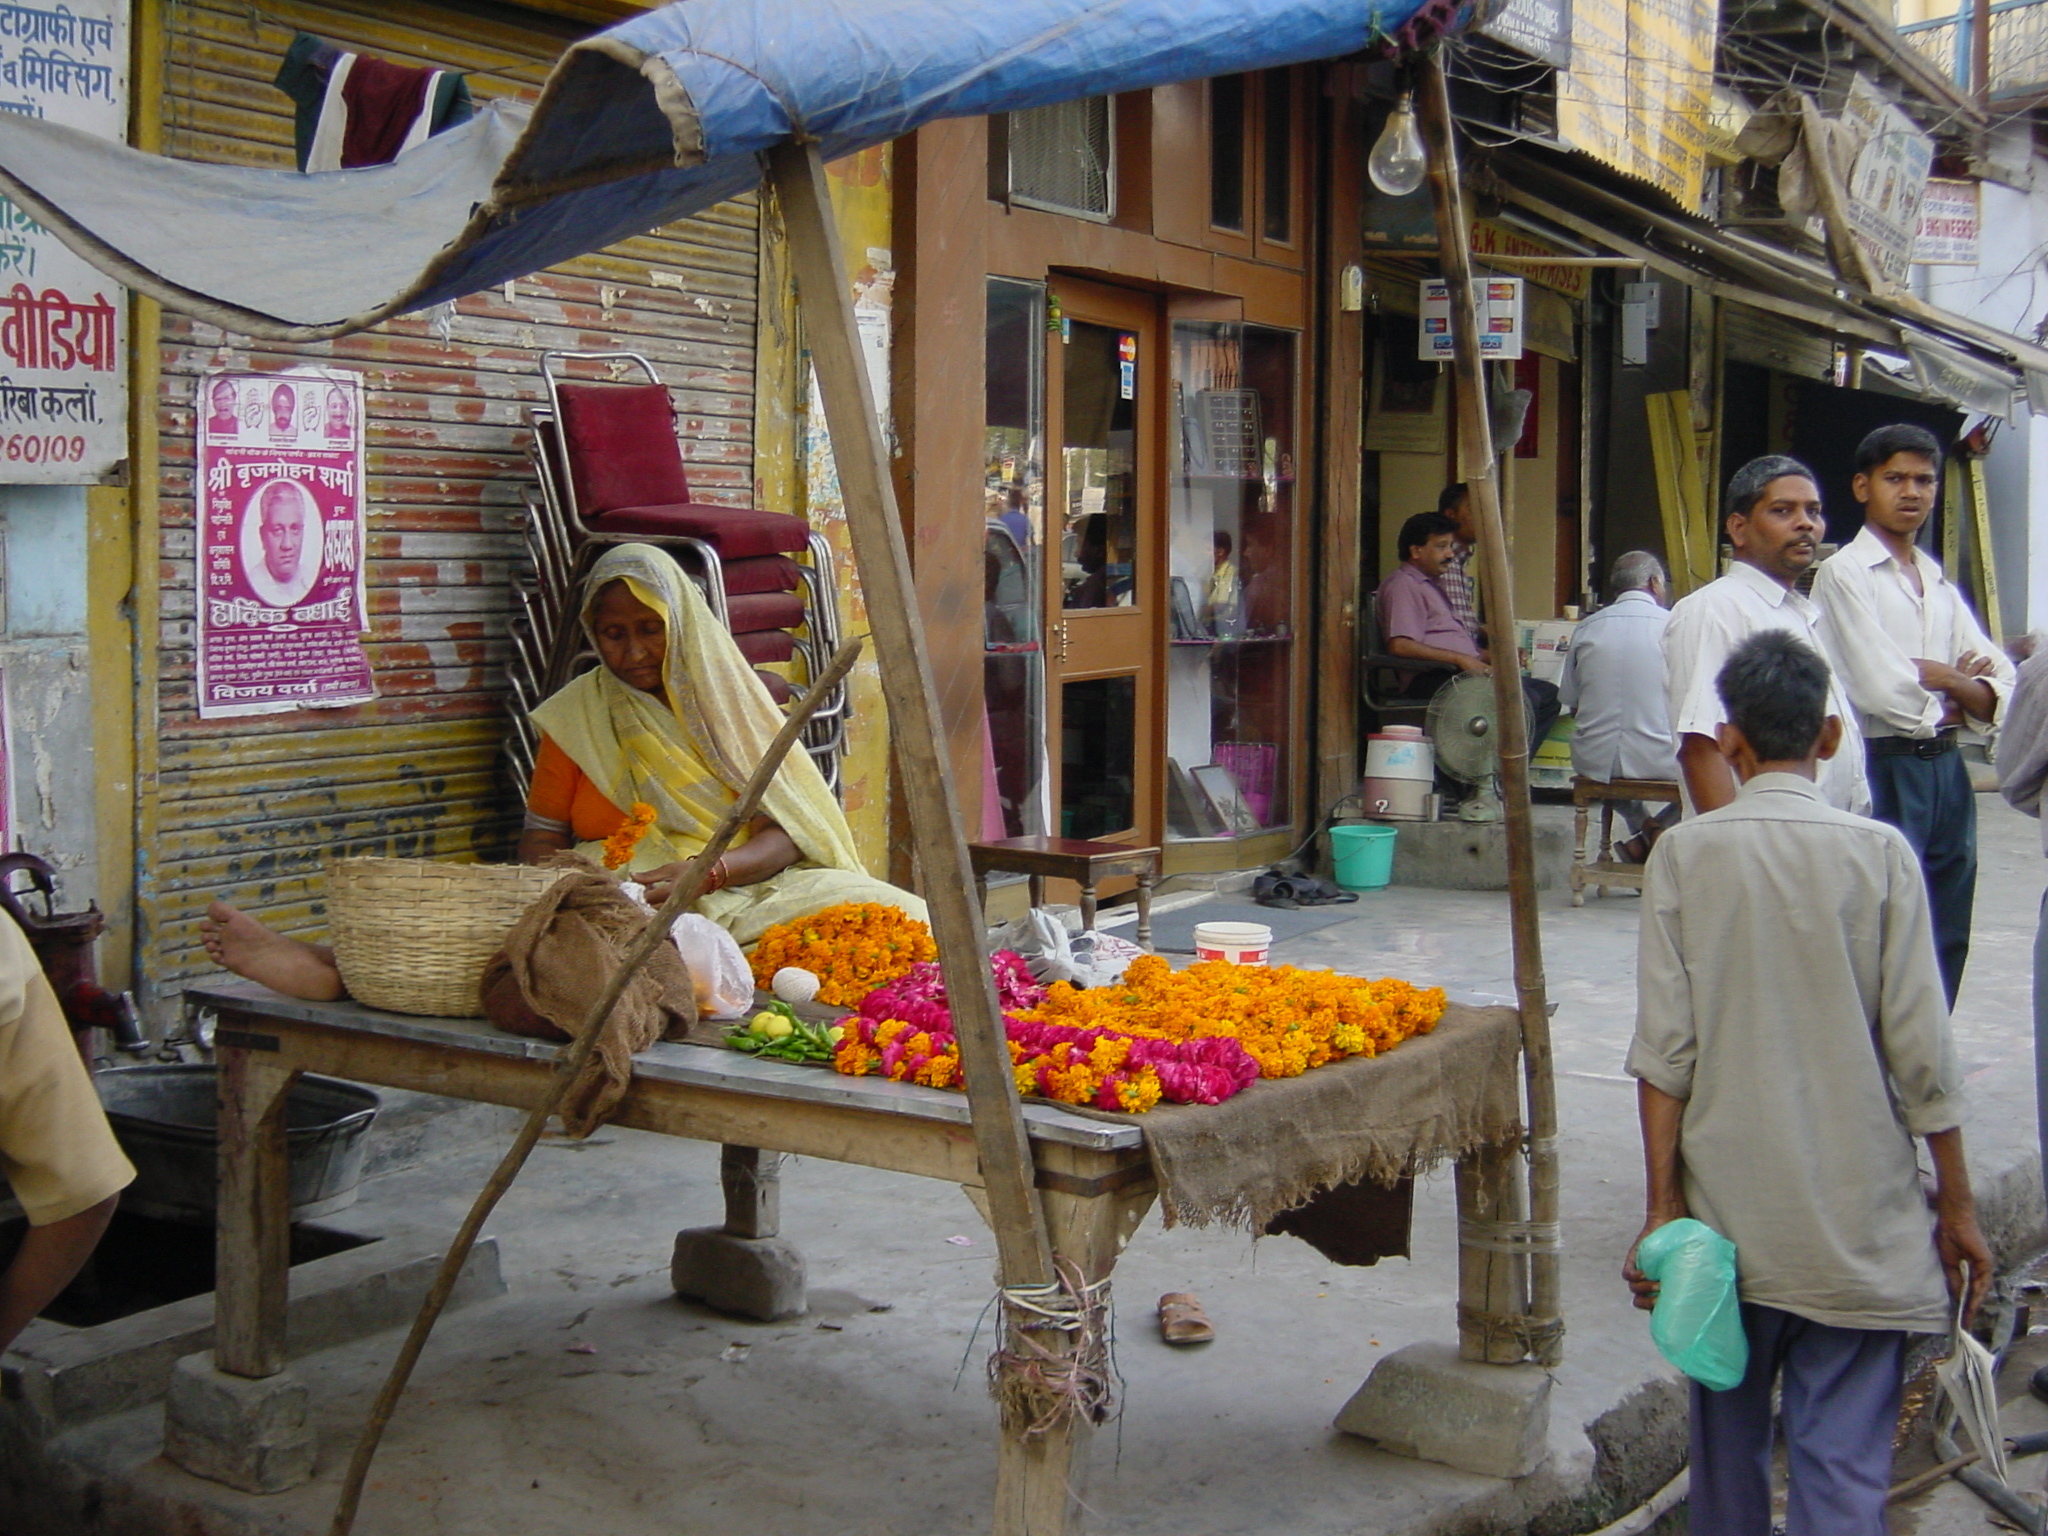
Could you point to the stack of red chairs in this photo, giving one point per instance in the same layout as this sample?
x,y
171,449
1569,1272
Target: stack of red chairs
x,y
610,471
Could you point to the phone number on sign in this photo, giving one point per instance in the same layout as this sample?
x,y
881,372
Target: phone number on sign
x,y
41,448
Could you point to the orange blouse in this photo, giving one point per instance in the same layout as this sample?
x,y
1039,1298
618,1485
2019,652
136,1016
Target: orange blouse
x,y
563,799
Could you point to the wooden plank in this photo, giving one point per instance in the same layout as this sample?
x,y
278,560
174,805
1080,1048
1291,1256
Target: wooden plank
x,y
797,174
252,1246
1987,564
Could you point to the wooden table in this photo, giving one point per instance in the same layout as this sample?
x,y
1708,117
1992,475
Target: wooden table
x,y
1094,1180
1085,863
1603,869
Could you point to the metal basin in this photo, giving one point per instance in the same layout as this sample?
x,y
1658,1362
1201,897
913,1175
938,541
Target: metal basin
x,y
166,1121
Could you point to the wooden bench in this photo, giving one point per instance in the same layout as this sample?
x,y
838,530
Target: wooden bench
x,y
1085,863
1604,869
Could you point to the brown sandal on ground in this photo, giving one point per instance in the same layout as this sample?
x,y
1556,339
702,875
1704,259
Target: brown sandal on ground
x,y
1182,1320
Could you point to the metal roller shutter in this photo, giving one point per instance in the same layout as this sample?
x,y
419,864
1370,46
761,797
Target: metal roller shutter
x,y
252,810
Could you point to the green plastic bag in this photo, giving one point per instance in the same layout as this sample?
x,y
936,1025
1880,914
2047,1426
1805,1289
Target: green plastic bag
x,y
1697,1322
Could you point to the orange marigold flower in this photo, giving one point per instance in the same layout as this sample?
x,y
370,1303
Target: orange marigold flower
x,y
618,848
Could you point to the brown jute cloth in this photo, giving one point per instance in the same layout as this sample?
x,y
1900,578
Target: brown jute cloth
x,y
1383,1118
556,960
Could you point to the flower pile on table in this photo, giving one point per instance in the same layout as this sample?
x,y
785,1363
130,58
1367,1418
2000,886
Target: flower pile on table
x,y
1195,1036
851,948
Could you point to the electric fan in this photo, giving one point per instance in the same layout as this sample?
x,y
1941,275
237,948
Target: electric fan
x,y
1466,734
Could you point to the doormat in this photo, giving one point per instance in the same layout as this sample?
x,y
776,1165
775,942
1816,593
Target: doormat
x,y
1174,932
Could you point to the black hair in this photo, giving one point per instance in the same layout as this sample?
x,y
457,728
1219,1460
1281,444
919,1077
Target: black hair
x,y
1222,540
1899,437
1746,485
1450,496
1775,689
1421,528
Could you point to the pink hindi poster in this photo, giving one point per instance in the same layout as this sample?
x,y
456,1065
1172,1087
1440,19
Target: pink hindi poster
x,y
280,543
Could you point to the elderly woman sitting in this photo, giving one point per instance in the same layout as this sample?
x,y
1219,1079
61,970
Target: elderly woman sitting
x,y
673,720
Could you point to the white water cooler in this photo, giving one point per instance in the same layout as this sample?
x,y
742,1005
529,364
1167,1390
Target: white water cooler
x,y
1400,775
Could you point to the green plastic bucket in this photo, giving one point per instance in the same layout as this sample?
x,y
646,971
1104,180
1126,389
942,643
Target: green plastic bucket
x,y
1364,856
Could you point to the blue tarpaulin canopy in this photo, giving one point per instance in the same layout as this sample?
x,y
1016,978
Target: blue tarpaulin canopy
x,y
653,120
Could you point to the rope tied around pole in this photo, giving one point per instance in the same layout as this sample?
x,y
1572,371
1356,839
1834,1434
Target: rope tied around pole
x,y
1054,1365
1532,1335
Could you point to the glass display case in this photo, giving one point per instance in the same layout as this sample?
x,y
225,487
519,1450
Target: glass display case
x,y
1231,560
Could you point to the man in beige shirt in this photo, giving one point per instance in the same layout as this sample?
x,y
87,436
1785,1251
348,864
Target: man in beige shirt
x,y
56,1150
1791,1041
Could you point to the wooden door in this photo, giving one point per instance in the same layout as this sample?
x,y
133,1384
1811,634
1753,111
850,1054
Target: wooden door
x,y
1103,598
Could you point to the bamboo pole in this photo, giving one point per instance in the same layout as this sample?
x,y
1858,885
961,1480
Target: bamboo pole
x,y
567,1067
1481,474
797,173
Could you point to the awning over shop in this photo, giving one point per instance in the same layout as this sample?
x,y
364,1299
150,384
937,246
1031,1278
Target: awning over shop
x,y
1955,359
657,118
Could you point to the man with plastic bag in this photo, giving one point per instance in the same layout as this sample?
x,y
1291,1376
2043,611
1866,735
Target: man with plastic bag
x,y
1791,1040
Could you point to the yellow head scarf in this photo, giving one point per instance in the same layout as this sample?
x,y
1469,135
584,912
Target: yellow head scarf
x,y
689,757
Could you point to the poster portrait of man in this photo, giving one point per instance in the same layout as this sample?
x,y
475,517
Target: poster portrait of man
x,y
284,410
281,542
341,416
221,420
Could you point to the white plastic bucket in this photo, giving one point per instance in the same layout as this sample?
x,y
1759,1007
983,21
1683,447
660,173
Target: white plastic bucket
x,y
1389,799
1237,943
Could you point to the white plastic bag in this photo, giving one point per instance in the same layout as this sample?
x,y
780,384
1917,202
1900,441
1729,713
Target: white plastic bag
x,y
719,970
1085,959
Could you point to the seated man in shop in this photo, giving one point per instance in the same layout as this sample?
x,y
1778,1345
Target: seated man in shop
x,y
1419,624
1613,684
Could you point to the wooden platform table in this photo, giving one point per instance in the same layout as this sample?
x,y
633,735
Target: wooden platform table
x,y
1602,868
1085,862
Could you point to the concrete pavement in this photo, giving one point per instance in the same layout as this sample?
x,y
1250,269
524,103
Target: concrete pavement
x,y
589,1398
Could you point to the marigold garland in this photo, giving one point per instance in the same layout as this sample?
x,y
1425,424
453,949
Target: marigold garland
x,y
618,848
851,948
1195,1036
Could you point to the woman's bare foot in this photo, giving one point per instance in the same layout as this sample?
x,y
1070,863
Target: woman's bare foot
x,y
238,943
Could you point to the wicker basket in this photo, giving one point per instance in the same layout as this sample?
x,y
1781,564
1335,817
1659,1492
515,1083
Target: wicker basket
x,y
414,935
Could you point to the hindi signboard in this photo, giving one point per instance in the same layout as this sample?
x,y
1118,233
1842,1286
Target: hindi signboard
x,y
1499,302
1640,89
1888,180
1949,222
63,390
280,581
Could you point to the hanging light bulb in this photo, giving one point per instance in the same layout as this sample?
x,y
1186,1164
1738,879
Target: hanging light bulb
x,y
1397,163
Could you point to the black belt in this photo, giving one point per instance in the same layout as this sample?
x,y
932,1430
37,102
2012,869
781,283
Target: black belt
x,y
1911,746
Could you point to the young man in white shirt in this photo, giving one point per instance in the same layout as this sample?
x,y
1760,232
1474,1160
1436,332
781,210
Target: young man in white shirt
x,y
1916,666
1613,683
1774,522
1791,1043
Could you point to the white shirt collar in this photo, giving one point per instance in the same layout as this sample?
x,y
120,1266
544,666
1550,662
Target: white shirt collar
x,y
1871,550
1781,783
1767,586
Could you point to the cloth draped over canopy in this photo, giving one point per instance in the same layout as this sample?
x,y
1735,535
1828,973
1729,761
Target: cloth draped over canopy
x,y
655,119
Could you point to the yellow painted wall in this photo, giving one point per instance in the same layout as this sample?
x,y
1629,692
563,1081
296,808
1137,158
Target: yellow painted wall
x,y
1531,495
793,460
1409,483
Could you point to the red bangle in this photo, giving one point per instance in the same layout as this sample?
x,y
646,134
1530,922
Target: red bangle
x,y
719,878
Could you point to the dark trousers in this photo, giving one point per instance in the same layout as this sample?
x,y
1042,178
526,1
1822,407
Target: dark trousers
x,y
1840,1403
1930,800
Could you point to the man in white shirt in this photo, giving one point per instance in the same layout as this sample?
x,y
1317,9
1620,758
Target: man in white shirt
x,y
1916,666
1613,683
1774,522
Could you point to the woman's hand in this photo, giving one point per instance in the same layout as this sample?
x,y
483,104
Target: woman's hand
x,y
766,853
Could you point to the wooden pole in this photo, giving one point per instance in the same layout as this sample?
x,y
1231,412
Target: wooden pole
x,y
1481,473
568,1067
797,174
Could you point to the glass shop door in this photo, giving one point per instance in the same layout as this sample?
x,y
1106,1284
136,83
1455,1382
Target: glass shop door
x,y
1101,581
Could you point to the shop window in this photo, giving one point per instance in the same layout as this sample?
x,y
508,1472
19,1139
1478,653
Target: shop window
x,y
1276,181
1063,157
1226,152
1252,150
1230,681
1098,446
1013,534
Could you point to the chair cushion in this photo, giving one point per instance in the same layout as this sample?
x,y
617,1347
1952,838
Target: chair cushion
x,y
780,688
765,647
762,573
737,533
750,612
620,441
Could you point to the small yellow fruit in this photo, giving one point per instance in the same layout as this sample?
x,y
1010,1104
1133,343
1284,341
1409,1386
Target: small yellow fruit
x,y
836,1033
777,1027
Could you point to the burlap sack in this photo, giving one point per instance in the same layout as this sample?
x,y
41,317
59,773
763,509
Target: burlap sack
x,y
557,959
